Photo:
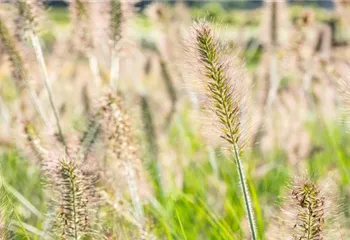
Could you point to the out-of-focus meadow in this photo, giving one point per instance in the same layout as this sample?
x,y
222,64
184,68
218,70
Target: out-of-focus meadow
x,y
186,187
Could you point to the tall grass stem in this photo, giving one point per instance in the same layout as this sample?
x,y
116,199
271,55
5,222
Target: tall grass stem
x,y
41,61
246,195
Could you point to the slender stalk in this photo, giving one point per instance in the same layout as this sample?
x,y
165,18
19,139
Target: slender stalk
x,y
114,74
37,106
152,145
245,191
74,203
95,70
4,112
130,173
41,61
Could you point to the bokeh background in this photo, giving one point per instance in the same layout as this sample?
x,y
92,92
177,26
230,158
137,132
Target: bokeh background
x,y
295,54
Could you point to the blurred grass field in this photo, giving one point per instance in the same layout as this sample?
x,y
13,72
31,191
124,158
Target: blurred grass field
x,y
202,198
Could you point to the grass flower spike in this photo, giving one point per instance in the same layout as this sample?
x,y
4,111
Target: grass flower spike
x,y
311,212
224,98
9,46
310,217
74,197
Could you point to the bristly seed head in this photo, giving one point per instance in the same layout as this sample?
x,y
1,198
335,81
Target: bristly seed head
x,y
310,219
29,12
119,144
8,44
74,196
119,14
221,87
81,19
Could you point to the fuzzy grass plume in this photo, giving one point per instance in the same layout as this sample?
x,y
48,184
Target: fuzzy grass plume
x,y
221,87
79,11
72,188
310,204
224,98
310,212
9,47
74,196
28,16
119,12
122,164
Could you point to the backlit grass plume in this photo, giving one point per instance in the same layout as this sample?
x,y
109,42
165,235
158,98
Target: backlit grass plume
x,y
27,19
74,196
119,13
122,167
223,95
310,203
310,212
79,12
8,45
220,84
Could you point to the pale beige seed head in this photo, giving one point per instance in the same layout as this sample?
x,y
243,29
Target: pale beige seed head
x,y
219,84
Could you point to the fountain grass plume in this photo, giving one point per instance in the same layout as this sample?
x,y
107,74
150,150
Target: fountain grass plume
x,y
9,47
310,211
73,195
224,97
122,157
29,17
79,12
310,217
119,13
220,86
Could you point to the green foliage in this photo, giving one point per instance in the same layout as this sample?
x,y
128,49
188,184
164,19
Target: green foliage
x,y
59,15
